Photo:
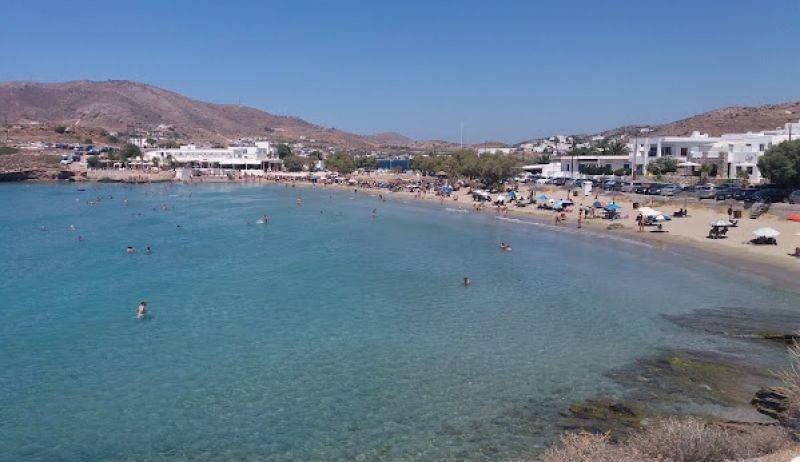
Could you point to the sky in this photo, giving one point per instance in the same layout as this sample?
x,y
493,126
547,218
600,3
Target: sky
x,y
508,70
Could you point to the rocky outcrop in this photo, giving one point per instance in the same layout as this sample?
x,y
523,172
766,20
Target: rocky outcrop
x,y
772,402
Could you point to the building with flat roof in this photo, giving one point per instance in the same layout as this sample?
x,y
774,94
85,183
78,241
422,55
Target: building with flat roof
x,y
258,158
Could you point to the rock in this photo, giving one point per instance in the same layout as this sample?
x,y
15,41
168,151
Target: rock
x,y
772,402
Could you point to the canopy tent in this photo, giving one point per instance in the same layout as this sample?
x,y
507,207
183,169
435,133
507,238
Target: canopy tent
x,y
766,232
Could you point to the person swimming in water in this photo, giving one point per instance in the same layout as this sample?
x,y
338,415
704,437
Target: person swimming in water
x,y
141,310
467,281
505,247
374,213
147,250
130,249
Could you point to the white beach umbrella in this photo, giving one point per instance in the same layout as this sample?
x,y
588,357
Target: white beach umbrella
x,y
721,223
688,164
766,232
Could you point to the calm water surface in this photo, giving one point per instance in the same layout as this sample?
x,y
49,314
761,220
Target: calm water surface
x,y
325,335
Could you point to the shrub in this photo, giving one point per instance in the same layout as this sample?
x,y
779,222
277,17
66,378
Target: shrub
x,y
60,129
8,150
672,439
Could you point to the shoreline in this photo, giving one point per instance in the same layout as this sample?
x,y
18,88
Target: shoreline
x,y
781,274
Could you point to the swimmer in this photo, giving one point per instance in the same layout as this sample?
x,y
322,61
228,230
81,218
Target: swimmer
x,y
263,220
141,310
130,249
374,213
467,282
43,228
147,250
80,238
72,227
505,247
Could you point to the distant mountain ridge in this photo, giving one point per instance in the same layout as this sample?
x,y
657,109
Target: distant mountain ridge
x,y
117,104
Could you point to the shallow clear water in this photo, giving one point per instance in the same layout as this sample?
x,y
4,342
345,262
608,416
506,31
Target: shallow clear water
x,y
323,335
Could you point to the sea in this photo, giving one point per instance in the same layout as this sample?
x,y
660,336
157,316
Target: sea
x,y
339,330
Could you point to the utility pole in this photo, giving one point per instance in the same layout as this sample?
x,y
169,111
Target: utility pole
x,y
461,137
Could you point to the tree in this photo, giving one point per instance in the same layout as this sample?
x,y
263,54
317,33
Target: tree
x,y
781,163
60,129
92,161
129,150
663,165
168,144
112,139
705,170
616,148
366,162
542,159
341,162
316,154
150,142
293,163
743,176
87,141
284,150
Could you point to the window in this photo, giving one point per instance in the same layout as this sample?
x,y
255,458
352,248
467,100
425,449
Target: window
x,y
761,147
749,170
652,152
666,151
684,152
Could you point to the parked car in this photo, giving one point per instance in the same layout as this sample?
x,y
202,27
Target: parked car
x,y
794,197
725,191
642,188
631,187
745,194
655,189
705,191
770,195
670,189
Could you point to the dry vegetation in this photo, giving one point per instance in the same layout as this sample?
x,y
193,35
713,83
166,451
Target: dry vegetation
x,y
673,440
691,439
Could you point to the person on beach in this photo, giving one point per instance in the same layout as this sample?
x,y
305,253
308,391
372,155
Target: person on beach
x,y
640,222
141,310
558,219
730,212
580,218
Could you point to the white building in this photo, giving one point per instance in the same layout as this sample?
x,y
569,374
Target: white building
x,y
500,150
729,154
573,166
258,158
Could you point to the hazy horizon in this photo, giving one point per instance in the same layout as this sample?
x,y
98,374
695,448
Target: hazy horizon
x,y
509,72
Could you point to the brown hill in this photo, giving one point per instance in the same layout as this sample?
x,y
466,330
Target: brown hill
x,y
118,104
734,119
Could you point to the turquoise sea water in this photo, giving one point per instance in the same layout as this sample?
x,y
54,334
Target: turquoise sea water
x,y
324,335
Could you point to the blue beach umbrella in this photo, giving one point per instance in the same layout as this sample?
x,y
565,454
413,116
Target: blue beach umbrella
x,y
597,204
541,198
612,207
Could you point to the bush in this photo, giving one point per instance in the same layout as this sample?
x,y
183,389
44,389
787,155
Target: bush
x,y
293,163
60,129
675,440
8,150
92,161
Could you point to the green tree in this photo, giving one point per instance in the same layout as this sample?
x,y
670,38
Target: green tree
x,y
60,129
284,150
129,151
92,161
150,142
366,162
341,162
316,154
294,163
663,165
112,139
781,163
616,148
87,141
168,144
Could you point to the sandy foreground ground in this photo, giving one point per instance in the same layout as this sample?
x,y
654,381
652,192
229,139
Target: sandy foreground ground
x,y
770,262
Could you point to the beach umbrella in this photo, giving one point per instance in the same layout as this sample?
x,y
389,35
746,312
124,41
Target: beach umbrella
x,y
766,232
597,204
794,217
663,217
541,198
688,164
612,207
721,223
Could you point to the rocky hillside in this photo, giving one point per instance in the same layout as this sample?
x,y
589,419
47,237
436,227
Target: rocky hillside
x,y
734,119
117,104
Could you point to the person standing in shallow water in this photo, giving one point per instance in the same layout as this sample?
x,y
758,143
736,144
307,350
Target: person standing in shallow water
x,y
141,310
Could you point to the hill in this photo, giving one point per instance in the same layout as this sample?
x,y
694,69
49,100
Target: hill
x,y
734,119
116,105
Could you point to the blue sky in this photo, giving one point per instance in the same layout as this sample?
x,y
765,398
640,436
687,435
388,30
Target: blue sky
x,y
509,70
